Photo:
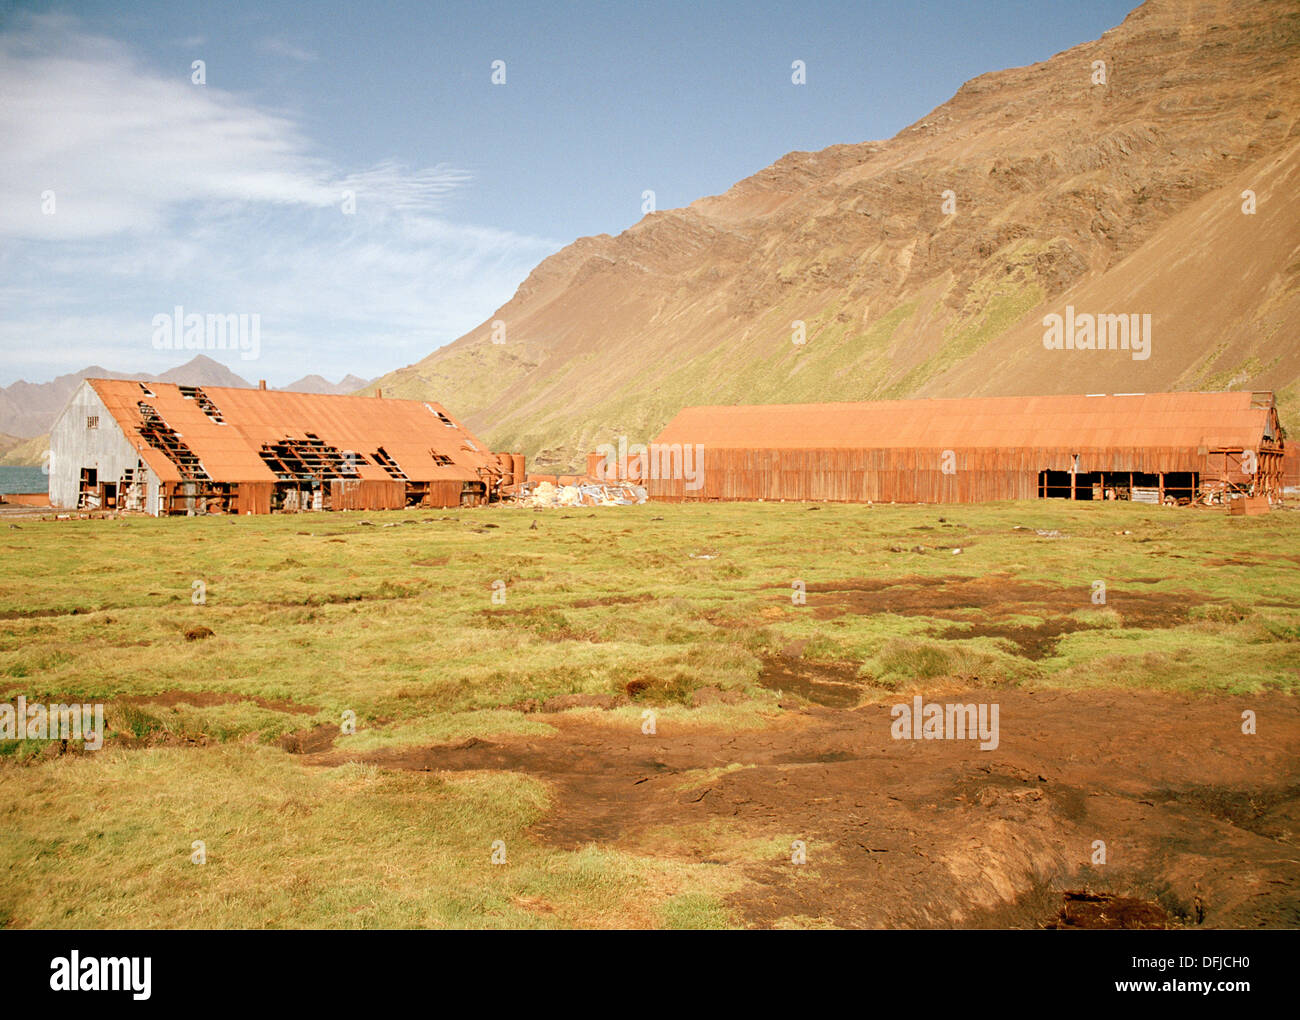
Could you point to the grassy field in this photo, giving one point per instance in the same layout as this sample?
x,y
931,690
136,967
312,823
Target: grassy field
x,y
438,627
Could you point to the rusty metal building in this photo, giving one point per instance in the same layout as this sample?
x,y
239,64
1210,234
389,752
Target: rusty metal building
x,y
163,448
1152,447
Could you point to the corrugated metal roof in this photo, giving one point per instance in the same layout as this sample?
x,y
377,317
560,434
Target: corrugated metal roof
x,y
1166,420
409,431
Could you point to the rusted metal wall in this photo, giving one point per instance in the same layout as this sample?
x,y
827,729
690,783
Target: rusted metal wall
x,y
26,498
253,498
907,475
368,495
443,494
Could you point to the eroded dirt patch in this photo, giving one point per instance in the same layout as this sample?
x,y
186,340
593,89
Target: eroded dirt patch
x,y
612,600
1032,642
903,833
206,699
1083,909
833,684
313,740
39,614
952,597
987,606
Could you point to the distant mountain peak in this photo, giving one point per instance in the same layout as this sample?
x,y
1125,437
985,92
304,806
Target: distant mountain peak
x,y
319,384
29,409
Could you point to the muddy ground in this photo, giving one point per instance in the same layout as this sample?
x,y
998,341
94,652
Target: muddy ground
x,y
984,606
1199,820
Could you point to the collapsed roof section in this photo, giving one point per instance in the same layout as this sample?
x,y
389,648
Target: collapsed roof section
x,y
244,435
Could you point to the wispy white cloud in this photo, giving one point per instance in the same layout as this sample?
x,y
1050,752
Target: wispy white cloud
x,y
284,49
167,193
392,186
120,146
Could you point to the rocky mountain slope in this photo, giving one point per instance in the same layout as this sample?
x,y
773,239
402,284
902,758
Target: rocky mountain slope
x,y
924,265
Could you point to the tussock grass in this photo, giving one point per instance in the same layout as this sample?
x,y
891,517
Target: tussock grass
x,y
317,615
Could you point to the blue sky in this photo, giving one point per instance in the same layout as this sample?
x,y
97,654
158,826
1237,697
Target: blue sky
x,y
227,197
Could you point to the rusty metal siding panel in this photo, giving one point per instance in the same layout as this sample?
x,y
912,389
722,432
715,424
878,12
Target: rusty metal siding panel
x,y
253,498
905,476
444,494
368,495
894,451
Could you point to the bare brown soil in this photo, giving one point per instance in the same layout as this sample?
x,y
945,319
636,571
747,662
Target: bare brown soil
x,y
986,606
612,600
1199,821
35,614
835,684
1102,910
313,740
206,699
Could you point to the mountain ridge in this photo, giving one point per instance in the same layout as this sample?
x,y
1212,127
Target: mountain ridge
x,y
922,265
28,410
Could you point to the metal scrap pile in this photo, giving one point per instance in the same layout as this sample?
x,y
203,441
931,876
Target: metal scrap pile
x,y
547,495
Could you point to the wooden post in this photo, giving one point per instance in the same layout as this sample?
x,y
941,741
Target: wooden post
x,y
1160,481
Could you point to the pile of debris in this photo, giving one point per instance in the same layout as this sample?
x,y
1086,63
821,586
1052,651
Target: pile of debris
x,y
548,494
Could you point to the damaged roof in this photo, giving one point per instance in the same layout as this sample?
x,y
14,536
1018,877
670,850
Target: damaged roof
x,y
1237,420
227,430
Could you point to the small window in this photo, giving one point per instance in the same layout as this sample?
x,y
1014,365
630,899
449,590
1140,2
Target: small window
x,y
92,421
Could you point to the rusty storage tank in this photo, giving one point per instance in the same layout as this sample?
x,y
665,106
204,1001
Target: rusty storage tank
x,y
507,469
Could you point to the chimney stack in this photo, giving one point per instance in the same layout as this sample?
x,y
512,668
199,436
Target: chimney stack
x,y
379,393
261,384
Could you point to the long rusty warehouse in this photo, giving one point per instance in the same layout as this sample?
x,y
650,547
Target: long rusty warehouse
x,y
1165,447
164,448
